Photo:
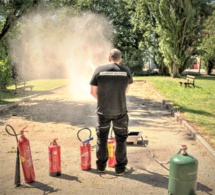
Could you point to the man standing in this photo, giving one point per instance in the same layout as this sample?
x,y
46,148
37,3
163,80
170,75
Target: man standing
x,y
109,85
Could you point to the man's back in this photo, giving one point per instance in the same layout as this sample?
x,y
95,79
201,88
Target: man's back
x,y
112,81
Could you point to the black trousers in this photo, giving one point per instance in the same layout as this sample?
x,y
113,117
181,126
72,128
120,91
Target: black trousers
x,y
120,128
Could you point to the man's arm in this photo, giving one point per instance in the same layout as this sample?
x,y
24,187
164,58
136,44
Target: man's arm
x,y
127,88
94,91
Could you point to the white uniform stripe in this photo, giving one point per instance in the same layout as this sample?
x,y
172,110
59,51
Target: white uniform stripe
x,y
109,73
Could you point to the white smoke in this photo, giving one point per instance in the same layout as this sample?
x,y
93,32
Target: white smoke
x,y
55,44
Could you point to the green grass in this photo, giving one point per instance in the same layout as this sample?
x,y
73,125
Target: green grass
x,y
196,104
39,86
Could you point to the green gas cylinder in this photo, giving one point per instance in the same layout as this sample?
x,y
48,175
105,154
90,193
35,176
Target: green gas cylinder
x,y
183,173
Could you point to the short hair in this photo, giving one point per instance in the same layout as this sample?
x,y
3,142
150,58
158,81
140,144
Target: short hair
x,y
115,54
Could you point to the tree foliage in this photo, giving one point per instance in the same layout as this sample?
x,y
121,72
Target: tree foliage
x,y
125,38
171,30
10,12
5,67
143,18
180,30
208,43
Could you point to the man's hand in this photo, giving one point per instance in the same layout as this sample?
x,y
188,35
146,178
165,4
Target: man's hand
x,y
94,91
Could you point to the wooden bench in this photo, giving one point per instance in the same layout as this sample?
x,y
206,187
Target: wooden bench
x,y
190,80
22,86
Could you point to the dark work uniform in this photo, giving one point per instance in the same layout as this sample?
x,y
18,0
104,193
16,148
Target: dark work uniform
x,y
112,81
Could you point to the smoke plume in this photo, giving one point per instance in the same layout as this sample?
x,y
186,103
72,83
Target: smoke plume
x,y
56,44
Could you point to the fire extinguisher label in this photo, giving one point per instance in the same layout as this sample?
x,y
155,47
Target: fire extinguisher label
x,y
27,157
54,161
22,159
110,150
85,160
85,155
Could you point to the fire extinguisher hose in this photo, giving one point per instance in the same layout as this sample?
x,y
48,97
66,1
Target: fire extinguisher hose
x,y
10,133
86,140
153,155
17,178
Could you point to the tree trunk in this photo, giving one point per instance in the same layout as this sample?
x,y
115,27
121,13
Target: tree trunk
x,y
3,88
175,71
200,66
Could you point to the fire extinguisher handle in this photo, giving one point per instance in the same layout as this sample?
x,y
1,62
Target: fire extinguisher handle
x,y
54,142
24,128
87,140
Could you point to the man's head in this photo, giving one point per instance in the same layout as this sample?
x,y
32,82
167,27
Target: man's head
x,y
115,56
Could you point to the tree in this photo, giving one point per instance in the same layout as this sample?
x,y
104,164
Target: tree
x,y
124,38
143,18
208,43
179,28
10,12
170,30
5,67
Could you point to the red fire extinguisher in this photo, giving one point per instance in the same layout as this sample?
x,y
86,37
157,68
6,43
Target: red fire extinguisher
x,y
54,159
111,151
23,153
26,157
85,151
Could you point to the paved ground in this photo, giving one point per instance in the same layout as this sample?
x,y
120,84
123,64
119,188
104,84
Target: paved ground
x,y
58,114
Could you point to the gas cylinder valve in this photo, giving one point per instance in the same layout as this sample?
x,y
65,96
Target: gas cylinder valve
x,y
184,149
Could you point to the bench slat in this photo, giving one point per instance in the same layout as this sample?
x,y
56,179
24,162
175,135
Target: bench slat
x,y
22,85
190,80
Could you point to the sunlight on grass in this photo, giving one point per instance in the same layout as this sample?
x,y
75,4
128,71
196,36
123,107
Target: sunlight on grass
x,y
196,104
44,84
39,86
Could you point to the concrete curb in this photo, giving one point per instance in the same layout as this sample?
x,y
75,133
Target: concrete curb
x,y
186,125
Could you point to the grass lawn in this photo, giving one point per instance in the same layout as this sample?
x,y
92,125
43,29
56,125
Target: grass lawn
x,y
196,104
39,86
